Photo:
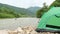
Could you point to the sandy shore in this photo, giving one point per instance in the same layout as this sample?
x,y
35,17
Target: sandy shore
x,y
3,32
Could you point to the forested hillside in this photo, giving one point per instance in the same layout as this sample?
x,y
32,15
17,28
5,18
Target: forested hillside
x,y
7,11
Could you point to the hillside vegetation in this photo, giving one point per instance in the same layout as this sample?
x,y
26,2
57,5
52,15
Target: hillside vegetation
x,y
45,8
7,11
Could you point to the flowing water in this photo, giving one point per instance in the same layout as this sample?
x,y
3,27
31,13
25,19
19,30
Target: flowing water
x,y
18,22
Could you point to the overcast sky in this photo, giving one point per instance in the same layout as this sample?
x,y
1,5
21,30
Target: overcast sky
x,y
26,3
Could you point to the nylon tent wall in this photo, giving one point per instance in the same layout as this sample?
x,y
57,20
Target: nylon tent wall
x,y
52,17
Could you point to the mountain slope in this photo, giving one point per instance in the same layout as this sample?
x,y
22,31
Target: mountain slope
x,y
20,11
34,10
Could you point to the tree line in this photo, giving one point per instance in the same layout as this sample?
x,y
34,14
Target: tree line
x,y
45,8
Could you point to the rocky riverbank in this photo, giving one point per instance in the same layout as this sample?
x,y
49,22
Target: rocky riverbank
x,y
23,30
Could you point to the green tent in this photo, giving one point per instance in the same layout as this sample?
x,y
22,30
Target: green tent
x,y
50,21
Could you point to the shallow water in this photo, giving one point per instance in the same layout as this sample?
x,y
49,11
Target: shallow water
x,y
18,22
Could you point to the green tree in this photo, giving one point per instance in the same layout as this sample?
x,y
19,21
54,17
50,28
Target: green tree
x,y
45,8
56,3
42,10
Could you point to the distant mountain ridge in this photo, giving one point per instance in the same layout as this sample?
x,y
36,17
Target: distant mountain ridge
x,y
34,9
21,11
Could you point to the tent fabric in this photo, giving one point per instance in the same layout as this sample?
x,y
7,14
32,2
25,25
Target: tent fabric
x,y
50,18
